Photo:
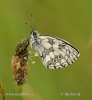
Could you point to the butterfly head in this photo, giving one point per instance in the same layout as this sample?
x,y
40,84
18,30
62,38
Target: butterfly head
x,y
34,34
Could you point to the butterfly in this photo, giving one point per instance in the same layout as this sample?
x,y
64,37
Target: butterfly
x,y
54,52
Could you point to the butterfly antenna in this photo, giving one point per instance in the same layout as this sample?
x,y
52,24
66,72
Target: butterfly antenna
x,y
30,26
33,20
33,25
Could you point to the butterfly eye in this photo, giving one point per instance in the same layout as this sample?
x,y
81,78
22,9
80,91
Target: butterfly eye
x,y
34,33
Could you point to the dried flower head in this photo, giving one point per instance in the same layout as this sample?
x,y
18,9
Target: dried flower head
x,y
20,62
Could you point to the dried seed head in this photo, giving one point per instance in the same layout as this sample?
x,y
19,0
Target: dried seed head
x,y
20,62
21,49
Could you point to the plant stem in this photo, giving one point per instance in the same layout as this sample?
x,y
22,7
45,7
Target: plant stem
x,y
20,91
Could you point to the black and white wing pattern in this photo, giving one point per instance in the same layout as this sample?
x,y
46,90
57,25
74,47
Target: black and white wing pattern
x,y
55,53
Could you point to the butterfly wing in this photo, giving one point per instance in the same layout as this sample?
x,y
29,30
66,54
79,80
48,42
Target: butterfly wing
x,y
56,53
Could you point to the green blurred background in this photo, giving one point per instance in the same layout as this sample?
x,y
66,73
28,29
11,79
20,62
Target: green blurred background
x,y
67,19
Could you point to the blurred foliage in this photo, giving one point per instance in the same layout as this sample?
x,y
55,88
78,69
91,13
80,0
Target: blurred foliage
x,y
67,19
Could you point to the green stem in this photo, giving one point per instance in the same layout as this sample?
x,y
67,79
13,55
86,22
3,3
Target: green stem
x,y
20,91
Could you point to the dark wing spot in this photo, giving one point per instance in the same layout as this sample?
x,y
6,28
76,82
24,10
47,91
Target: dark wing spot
x,y
60,56
60,46
51,41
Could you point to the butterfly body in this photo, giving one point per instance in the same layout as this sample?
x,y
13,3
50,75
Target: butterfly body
x,y
54,52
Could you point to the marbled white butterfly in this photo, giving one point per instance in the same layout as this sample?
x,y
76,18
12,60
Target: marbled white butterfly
x,y
54,52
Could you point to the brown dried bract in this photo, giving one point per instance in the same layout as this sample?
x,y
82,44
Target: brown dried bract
x,y
20,62
2,93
